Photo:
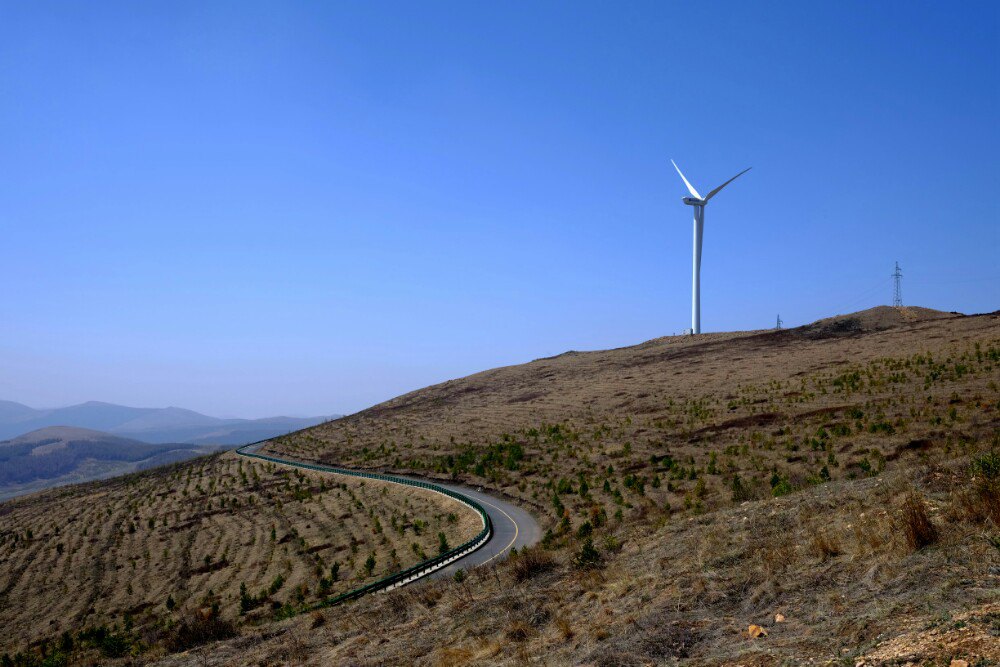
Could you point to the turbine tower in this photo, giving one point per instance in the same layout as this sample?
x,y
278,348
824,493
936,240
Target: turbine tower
x,y
699,202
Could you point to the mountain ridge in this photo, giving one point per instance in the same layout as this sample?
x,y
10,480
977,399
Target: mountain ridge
x,y
59,455
152,425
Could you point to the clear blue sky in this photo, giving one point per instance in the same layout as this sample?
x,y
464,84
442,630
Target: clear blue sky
x,y
261,208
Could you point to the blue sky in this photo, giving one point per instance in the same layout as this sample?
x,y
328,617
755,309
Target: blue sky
x,y
260,208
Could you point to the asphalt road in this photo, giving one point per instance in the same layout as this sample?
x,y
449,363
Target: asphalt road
x,y
512,526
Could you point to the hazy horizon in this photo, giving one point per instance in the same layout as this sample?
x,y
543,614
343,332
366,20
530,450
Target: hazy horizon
x,y
158,407
283,209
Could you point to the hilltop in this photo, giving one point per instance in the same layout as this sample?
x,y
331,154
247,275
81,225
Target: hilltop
x,y
841,477
877,319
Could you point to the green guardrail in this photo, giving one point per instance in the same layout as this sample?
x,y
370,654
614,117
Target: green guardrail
x,y
414,572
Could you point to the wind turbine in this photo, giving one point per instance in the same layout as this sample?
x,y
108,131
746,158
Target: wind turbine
x,y
698,202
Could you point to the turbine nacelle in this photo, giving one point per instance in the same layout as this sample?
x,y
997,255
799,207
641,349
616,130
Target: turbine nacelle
x,y
696,199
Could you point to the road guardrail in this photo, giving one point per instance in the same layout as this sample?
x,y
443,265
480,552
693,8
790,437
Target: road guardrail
x,y
410,574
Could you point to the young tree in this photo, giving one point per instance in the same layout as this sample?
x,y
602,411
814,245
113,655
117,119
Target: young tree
x,y
370,564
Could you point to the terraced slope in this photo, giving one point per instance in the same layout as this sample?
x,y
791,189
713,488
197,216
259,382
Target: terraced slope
x,y
194,533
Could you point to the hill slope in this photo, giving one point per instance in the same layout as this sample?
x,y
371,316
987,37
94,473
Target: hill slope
x,y
845,475
194,533
825,431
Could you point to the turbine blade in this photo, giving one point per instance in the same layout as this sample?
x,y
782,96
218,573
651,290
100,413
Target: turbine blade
x,y
716,190
694,193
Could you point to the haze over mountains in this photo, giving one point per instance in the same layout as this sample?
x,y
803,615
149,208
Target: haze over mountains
x,y
151,425
59,455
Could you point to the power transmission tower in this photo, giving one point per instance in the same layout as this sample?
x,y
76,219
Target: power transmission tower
x,y
897,292
779,322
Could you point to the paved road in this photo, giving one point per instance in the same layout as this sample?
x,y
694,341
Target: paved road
x,y
512,526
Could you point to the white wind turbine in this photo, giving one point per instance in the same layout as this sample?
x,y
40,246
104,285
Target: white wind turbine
x,y
698,202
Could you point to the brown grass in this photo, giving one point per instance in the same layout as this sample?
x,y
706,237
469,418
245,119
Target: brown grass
x,y
824,544
200,626
916,523
519,631
834,428
530,563
99,551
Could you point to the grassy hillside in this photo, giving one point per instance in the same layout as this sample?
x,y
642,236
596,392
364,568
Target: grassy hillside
x,y
151,551
827,493
674,421
722,479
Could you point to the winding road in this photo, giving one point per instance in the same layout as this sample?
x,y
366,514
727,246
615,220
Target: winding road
x,y
513,527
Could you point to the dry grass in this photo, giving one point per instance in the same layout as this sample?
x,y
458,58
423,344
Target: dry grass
x,y
831,430
690,423
530,563
90,555
916,523
654,603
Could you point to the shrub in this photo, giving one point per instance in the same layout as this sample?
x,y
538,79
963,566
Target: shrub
x,y
519,631
982,501
110,642
741,491
916,522
588,557
824,544
200,627
988,466
780,486
881,427
246,601
531,563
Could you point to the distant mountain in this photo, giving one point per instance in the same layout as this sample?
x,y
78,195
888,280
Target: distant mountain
x,y
151,425
60,455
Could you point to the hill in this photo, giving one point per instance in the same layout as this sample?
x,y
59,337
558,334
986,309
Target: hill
x,y
155,548
59,455
829,493
156,425
877,319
